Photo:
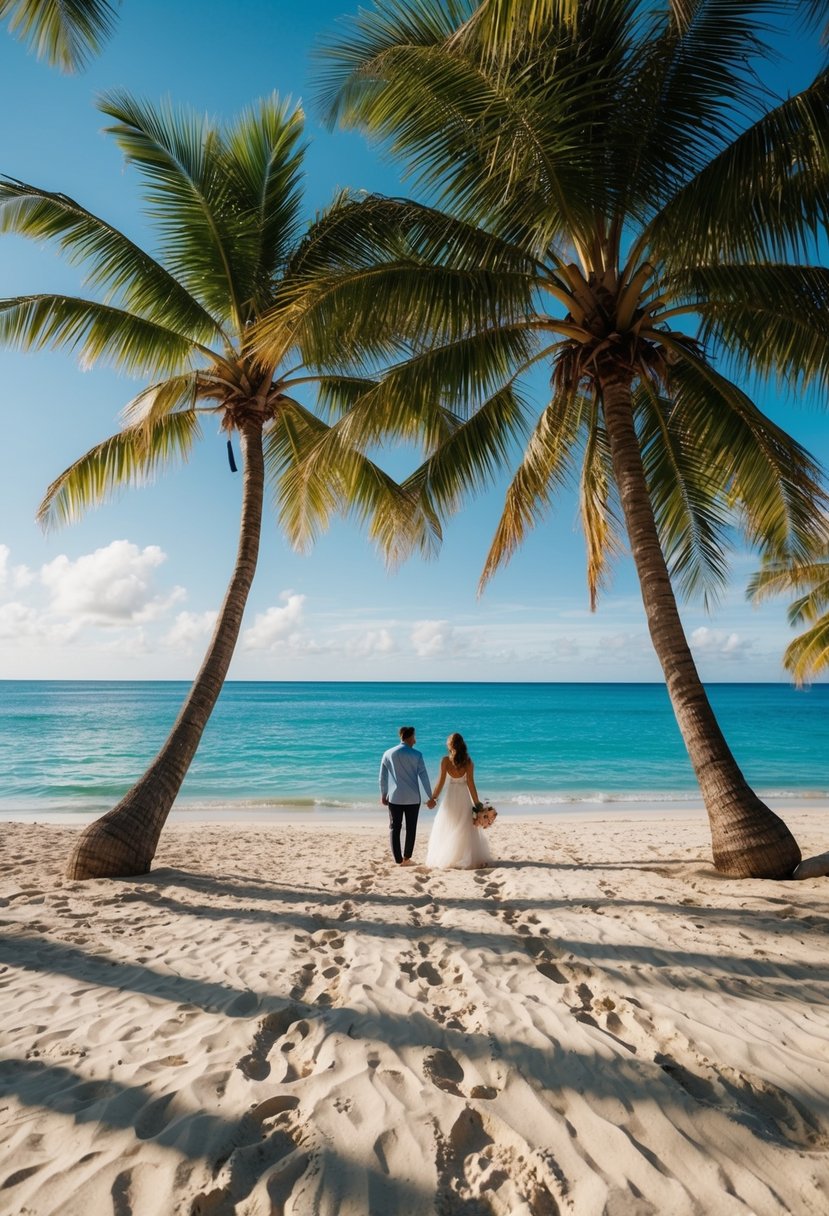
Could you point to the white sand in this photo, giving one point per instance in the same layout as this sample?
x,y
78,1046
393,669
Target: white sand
x,y
277,1021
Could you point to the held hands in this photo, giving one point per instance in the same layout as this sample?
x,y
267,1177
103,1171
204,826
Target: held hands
x,y
432,802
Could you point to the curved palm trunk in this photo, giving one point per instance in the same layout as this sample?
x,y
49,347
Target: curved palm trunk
x,y
123,841
748,839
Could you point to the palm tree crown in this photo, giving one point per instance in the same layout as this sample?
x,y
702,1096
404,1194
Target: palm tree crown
x,y
227,206
613,196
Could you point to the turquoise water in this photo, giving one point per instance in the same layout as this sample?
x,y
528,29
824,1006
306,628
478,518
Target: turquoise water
x,y
68,746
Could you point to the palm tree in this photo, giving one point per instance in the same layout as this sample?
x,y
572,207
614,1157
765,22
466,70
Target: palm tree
x,y
808,655
63,32
227,206
597,182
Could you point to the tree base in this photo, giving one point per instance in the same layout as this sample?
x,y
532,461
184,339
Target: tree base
x,y
752,842
102,853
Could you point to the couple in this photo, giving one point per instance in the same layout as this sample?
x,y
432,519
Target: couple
x,y
455,842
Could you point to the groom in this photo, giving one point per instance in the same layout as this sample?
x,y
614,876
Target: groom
x,y
402,772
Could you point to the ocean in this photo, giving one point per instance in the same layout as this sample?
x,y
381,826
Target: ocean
x,y
75,747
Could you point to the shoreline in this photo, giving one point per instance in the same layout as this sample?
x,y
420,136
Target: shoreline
x,y
604,810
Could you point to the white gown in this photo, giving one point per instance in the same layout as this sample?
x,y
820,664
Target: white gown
x,y
455,842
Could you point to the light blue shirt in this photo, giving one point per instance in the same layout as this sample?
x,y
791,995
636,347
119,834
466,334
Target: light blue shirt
x,y
401,769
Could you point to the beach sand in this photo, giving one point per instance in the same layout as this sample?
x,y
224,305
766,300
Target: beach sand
x,y
275,1020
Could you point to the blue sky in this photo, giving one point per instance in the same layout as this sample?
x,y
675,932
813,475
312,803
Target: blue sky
x,y
130,591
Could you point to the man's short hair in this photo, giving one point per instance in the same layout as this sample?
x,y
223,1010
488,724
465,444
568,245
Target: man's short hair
x,y
406,732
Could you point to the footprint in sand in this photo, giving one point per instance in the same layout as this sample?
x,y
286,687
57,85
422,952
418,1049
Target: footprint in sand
x,y
255,1065
768,1111
429,973
265,1144
444,1071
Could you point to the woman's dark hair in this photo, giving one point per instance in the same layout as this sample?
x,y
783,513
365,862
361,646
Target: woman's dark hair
x,y
457,750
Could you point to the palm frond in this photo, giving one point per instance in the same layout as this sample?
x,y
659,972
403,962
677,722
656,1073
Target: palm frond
x,y
98,332
808,655
764,197
165,397
377,277
780,578
335,395
370,33
180,155
63,32
514,144
315,479
502,24
691,80
263,157
599,517
547,465
471,453
690,505
127,273
772,320
413,400
775,483
130,458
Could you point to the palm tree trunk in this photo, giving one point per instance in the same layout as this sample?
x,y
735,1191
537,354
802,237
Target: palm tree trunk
x,y
748,839
123,842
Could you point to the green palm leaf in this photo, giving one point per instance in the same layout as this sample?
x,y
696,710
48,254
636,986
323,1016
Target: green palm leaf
x,y
778,578
762,197
774,481
691,508
689,83
180,154
263,163
808,655
474,133
132,457
547,464
772,319
379,276
471,453
126,272
599,517
165,397
315,479
98,332
63,32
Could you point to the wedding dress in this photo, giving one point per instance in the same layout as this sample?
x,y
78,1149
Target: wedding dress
x,y
455,842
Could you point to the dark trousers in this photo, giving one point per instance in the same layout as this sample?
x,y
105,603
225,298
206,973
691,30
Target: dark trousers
x,y
396,814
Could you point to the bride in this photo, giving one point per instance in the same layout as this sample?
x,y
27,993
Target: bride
x,y
455,842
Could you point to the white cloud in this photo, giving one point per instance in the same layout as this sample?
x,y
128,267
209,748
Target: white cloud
x,y
277,626
112,586
16,577
18,621
717,643
188,629
373,642
437,639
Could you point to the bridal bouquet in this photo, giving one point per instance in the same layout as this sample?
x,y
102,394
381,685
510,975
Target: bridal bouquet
x,y
483,815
